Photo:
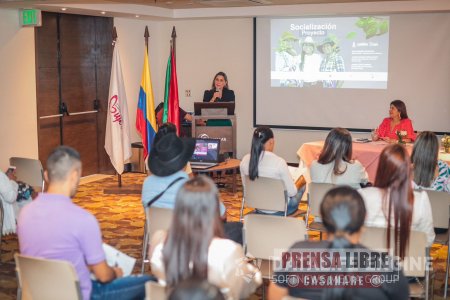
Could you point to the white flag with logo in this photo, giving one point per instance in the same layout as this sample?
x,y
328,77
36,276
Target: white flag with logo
x,y
117,136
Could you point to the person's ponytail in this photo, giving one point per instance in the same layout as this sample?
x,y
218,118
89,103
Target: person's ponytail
x,y
343,213
260,136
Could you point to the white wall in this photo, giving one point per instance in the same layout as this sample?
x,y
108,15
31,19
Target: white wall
x,y
18,133
204,47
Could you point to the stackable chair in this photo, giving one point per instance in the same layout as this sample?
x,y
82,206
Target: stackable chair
x,y
440,209
156,218
264,193
46,279
154,291
2,216
417,260
29,171
316,193
263,234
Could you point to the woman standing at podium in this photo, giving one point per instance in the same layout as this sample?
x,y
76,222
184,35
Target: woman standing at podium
x,y
219,91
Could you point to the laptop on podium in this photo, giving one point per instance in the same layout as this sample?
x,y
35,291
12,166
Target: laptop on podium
x,y
206,154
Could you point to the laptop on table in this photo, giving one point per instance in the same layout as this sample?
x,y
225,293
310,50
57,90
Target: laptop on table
x,y
206,154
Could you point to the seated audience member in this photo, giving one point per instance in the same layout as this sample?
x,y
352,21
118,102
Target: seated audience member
x,y
398,121
13,195
194,289
391,202
343,212
194,246
262,162
165,129
53,227
335,164
184,116
167,164
429,172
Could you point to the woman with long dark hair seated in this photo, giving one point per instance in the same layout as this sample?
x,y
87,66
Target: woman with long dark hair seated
x,y
335,164
343,213
194,246
262,162
430,172
393,204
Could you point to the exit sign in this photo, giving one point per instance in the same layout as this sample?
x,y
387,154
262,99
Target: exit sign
x,y
30,17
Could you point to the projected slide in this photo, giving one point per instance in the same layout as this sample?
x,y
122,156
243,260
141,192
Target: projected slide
x,y
339,52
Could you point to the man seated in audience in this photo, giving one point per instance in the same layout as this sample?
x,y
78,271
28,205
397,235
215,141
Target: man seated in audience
x,y
53,227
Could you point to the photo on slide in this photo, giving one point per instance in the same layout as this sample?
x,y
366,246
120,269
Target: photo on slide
x,y
340,52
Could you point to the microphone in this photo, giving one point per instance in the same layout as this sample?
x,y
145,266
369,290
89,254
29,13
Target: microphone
x,y
218,91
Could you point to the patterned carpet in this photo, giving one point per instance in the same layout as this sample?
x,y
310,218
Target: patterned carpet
x,y
121,217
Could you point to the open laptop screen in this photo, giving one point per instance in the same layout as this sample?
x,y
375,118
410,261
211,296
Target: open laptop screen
x,y
206,150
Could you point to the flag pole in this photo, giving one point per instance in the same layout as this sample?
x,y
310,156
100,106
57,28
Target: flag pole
x,y
146,36
114,39
174,38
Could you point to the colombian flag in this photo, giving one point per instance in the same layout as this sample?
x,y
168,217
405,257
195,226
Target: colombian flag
x,y
145,116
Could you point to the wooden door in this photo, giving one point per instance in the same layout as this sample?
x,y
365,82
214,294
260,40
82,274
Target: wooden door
x,y
74,113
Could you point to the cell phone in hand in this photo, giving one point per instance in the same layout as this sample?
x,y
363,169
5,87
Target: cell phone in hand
x,y
11,170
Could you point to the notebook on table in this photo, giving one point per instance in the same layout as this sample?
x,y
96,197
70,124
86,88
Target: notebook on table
x,y
206,154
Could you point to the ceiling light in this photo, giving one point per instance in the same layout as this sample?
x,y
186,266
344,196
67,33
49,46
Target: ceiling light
x,y
103,12
137,16
63,8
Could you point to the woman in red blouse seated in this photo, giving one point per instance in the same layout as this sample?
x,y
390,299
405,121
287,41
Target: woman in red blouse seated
x,y
398,121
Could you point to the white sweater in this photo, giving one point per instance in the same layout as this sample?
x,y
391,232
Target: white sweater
x,y
354,174
422,219
227,268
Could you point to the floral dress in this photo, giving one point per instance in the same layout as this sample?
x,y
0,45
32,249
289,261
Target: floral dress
x,y
442,181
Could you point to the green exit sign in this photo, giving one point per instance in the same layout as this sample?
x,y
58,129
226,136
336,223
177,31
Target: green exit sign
x,y
30,17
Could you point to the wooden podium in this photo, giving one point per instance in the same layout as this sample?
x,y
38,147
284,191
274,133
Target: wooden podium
x,y
226,134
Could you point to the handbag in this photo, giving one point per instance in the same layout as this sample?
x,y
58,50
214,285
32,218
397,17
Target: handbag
x,y
154,199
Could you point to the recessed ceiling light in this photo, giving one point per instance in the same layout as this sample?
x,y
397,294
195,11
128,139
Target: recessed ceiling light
x,y
137,16
63,8
103,12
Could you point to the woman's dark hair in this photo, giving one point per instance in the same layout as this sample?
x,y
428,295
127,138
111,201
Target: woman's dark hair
x,y
194,289
213,87
343,212
337,148
260,136
394,177
195,223
424,158
401,107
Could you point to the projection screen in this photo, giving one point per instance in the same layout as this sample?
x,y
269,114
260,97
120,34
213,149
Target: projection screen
x,y
324,72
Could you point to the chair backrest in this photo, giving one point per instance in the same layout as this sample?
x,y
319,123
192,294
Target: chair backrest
x,y
157,218
29,171
440,202
45,279
154,291
415,262
265,193
2,216
316,192
264,233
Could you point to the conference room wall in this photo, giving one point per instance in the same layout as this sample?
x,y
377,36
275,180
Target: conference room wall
x,y
18,123
204,47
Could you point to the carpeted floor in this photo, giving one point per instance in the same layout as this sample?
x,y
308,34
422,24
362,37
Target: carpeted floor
x,y
121,217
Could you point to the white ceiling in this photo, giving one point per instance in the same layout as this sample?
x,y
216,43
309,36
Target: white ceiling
x,y
196,9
